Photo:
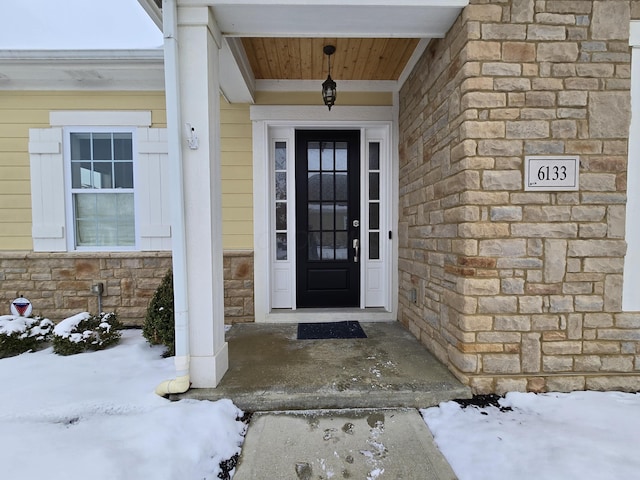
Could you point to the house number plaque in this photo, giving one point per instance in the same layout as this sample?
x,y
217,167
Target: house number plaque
x,y
559,173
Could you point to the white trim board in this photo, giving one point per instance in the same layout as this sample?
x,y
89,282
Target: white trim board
x,y
631,276
62,118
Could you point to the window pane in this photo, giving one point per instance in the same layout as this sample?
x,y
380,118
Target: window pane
x,y
314,216
327,155
80,146
281,156
374,246
374,186
81,175
124,174
281,216
104,219
327,246
374,216
122,146
374,156
125,204
341,155
281,246
102,146
313,155
342,246
281,185
86,233
102,175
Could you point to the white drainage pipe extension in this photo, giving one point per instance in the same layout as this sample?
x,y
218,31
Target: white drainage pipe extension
x,y
178,232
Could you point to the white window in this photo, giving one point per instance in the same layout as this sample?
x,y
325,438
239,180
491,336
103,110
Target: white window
x,y
100,166
99,181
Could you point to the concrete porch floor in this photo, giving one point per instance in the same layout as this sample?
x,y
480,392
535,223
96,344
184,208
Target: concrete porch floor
x,y
270,370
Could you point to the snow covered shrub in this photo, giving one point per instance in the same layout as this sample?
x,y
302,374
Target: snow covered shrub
x,y
21,334
86,332
159,323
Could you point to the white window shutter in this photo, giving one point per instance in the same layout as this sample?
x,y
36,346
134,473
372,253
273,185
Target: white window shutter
x,y
47,190
152,189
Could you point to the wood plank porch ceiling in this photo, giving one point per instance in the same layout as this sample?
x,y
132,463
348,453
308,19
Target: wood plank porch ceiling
x,y
278,58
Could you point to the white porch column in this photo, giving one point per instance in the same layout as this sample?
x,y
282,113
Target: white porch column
x,y
199,44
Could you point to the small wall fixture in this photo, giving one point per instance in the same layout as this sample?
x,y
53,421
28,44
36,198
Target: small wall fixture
x,y
329,86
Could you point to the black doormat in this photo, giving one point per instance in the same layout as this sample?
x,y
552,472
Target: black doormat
x,y
326,330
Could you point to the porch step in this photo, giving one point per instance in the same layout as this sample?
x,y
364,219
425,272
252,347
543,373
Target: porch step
x,y
270,370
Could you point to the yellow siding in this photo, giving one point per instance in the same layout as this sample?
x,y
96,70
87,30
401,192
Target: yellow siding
x,y
237,176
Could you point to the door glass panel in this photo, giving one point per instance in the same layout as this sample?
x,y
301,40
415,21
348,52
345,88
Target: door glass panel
x,y
281,246
374,216
327,155
281,155
314,245
374,156
327,186
328,246
342,218
314,216
328,219
374,245
281,216
281,185
313,186
374,186
341,156
313,156
342,245
341,186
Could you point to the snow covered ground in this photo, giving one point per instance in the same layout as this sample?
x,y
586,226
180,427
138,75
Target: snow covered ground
x,y
95,416
555,436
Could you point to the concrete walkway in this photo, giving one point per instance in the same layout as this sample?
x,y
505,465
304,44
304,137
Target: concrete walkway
x,y
359,444
270,370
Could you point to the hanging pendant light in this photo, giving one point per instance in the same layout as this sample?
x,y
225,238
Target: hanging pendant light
x,y
329,86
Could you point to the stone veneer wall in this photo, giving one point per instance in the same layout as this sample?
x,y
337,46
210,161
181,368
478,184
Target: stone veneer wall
x,y
58,284
520,290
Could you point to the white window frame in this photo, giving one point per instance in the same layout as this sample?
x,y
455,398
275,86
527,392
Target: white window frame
x,y
69,190
278,123
631,277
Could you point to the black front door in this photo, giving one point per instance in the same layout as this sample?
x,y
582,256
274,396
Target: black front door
x,y
328,218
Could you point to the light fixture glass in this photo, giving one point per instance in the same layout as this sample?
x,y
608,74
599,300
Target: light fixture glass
x,y
329,86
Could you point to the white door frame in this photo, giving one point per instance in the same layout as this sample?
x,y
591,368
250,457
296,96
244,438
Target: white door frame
x,y
284,120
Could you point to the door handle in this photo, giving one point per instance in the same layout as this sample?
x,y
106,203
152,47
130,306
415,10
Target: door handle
x,y
356,247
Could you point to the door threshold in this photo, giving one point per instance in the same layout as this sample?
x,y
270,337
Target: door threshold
x,y
311,315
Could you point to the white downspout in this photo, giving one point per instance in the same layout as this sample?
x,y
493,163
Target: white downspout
x,y
181,383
